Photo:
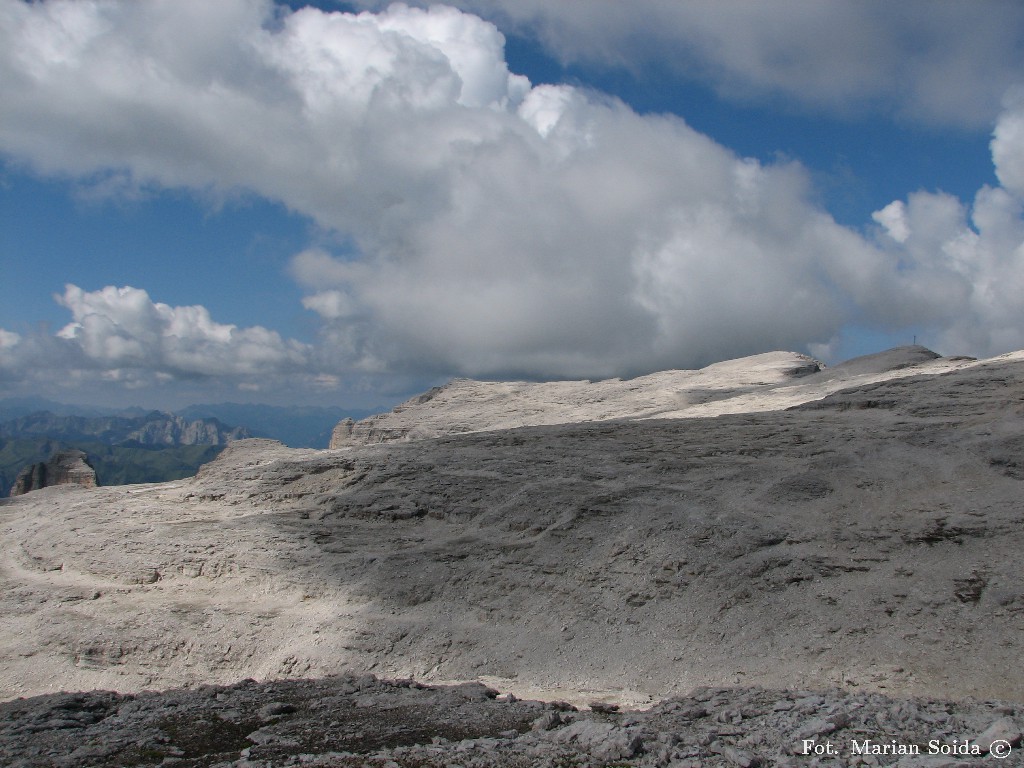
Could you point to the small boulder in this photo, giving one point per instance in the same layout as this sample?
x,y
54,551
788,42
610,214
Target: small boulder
x,y
276,709
1002,730
603,741
548,721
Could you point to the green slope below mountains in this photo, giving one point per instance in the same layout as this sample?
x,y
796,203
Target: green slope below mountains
x,y
154,447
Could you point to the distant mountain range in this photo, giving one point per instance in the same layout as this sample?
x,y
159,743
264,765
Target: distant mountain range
x,y
136,446
154,428
15,407
114,464
122,449
296,427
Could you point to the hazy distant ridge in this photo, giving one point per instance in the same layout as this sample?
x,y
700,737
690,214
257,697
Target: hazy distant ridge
x,y
134,446
155,428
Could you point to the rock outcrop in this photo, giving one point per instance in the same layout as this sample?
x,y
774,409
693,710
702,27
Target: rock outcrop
x,y
70,467
376,723
341,435
169,429
467,405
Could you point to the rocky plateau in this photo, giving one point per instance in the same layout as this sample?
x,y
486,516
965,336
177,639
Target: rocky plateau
x,y
711,566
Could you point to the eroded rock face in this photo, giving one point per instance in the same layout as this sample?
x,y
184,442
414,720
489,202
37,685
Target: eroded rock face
x,y
342,433
70,467
870,543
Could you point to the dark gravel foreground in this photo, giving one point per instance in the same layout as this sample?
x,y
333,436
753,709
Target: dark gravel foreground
x,y
359,720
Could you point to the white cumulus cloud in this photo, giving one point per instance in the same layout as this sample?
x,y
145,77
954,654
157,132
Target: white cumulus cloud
x,y
894,218
1008,143
968,261
965,261
123,328
8,339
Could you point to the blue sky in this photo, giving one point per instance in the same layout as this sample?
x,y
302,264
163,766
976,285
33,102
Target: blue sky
x,y
250,202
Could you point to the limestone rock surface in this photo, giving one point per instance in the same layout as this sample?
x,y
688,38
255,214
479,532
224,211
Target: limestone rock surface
x,y
852,542
870,538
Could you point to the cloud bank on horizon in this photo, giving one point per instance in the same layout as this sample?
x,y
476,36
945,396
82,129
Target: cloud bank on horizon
x,y
500,227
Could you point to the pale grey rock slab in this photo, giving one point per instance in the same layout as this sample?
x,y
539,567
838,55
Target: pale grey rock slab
x,y
605,741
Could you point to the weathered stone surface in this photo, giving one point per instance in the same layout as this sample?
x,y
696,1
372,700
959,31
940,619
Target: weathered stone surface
x,y
814,728
341,435
605,741
641,557
464,405
740,757
547,721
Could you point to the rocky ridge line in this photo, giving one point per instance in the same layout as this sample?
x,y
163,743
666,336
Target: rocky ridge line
x,y
746,385
869,539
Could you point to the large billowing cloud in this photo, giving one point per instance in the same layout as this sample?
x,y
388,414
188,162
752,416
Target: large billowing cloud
x,y
938,61
498,228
